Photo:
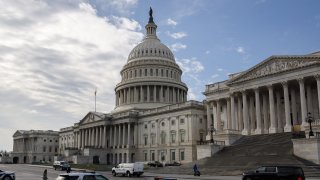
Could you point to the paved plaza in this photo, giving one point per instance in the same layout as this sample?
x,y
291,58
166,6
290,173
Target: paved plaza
x,y
34,172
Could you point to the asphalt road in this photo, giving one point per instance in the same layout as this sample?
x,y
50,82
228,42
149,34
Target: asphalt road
x,y
34,172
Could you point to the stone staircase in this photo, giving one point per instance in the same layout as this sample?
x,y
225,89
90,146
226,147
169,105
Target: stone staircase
x,y
248,153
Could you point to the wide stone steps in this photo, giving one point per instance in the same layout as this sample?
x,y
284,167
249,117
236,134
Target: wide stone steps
x,y
248,153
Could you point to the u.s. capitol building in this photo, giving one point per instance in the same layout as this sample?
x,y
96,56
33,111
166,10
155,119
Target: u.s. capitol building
x,y
153,121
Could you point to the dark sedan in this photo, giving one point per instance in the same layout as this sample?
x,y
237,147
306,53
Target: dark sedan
x,y
275,173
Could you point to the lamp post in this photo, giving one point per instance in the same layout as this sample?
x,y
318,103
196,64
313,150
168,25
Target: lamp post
x,y
310,120
212,129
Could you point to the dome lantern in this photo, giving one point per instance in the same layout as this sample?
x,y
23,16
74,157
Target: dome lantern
x,y
151,27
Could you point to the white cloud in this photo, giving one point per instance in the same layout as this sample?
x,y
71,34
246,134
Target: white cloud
x,y
207,52
171,22
114,6
215,76
178,46
219,69
177,35
191,69
53,56
240,50
190,65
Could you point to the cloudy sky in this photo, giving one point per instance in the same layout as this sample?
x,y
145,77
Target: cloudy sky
x,y
54,54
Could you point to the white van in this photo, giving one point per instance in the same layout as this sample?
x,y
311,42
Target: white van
x,y
128,169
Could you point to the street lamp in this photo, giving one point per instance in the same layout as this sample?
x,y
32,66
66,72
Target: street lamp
x,y
212,129
310,120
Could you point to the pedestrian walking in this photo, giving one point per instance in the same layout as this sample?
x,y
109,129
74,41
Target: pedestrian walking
x,y
196,171
45,175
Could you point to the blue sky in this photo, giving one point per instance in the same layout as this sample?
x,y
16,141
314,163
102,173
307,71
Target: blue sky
x,y
54,54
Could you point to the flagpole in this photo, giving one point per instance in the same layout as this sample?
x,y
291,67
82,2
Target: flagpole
x,y
95,100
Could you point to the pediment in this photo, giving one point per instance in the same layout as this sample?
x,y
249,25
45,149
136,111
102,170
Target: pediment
x,y
17,133
91,117
274,65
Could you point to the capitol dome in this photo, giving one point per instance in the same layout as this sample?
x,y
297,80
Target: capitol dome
x,y
150,78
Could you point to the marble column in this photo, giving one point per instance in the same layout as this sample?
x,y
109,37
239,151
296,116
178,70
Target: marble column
x,y
141,94
209,119
279,112
97,137
288,126
317,76
245,130
123,135
294,106
148,93
129,136
252,118
104,135
240,114
100,144
135,136
218,128
272,128
258,111
233,112
155,93
228,126
214,112
161,94
265,113
303,104
111,142
174,95
119,137
168,94
115,143
309,100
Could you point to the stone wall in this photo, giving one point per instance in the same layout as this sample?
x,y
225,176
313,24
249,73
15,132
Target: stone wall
x,y
207,150
308,149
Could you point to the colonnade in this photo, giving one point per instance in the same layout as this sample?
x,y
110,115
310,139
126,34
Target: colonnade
x,y
150,93
121,135
267,109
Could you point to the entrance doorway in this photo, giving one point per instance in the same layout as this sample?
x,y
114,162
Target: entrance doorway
x,y
15,160
95,160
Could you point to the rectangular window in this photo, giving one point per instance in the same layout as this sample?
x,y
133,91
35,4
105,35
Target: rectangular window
x,y
181,121
145,140
182,136
153,138
173,155
145,156
44,149
181,155
152,155
173,137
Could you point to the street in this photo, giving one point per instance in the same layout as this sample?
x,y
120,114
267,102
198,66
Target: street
x,y
34,172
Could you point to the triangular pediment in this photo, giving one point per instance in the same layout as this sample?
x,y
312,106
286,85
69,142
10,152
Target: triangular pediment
x,y
275,64
17,133
91,117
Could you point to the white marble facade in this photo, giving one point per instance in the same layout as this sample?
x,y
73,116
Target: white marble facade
x,y
152,119
35,146
274,96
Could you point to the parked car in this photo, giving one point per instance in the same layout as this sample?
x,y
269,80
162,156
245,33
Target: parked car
x,y
174,163
81,176
62,165
155,164
275,173
7,175
129,169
